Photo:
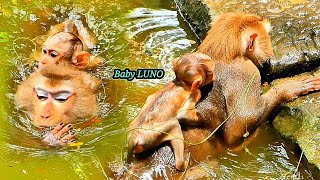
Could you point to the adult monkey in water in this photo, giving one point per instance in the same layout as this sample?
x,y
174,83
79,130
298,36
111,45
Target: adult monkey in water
x,y
57,95
239,43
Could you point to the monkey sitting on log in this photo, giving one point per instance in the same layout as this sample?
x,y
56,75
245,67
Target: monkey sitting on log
x,y
57,95
157,121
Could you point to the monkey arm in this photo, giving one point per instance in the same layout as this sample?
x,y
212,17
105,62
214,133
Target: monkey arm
x,y
210,110
150,136
287,90
271,99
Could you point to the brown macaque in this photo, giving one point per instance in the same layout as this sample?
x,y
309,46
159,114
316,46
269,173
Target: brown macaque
x,y
58,95
157,121
240,43
70,43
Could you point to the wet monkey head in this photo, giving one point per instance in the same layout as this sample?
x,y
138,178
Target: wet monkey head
x,y
57,94
194,69
65,43
238,34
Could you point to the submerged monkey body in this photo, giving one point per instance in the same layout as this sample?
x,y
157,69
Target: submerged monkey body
x,y
58,93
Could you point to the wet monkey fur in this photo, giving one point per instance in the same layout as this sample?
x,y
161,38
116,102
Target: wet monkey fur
x,y
240,43
70,43
57,95
159,113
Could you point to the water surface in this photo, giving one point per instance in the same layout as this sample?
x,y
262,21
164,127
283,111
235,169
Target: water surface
x,y
132,34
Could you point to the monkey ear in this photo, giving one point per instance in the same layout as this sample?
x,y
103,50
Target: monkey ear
x,y
196,83
250,45
81,59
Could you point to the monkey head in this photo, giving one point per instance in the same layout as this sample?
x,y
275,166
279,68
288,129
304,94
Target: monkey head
x,y
58,93
256,43
63,46
238,34
194,69
65,43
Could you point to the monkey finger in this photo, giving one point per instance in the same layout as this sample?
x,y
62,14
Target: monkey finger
x,y
68,137
63,131
311,79
306,78
57,128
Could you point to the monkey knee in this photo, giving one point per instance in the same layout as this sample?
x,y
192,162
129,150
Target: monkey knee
x,y
181,164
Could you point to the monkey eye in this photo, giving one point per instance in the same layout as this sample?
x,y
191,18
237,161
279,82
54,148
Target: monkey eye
x,y
53,54
44,51
62,96
42,94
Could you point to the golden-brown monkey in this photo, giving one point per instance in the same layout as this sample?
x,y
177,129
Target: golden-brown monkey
x,y
57,95
66,41
159,113
240,43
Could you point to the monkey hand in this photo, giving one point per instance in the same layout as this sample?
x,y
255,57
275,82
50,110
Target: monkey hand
x,y
293,88
59,136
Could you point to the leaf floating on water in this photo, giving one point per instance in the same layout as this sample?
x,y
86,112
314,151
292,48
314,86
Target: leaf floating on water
x,y
41,170
77,144
192,41
24,171
78,170
246,134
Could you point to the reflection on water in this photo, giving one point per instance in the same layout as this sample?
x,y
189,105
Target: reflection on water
x,y
162,37
131,34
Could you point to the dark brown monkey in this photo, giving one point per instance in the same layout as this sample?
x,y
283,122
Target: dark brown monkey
x,y
68,42
240,43
57,95
157,122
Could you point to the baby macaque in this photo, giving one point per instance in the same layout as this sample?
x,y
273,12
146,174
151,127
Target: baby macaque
x,y
69,42
58,95
157,121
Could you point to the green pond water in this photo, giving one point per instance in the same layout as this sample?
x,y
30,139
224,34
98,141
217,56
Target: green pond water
x,y
127,39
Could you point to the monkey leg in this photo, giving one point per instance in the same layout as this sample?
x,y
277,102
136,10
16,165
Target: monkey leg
x,y
178,148
151,137
188,113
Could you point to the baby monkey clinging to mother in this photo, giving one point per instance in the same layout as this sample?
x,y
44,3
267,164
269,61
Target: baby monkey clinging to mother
x,y
157,121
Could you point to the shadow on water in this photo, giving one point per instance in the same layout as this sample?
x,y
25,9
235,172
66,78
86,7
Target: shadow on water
x,y
131,34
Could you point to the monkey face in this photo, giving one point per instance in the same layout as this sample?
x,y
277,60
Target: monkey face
x,y
51,107
257,43
55,48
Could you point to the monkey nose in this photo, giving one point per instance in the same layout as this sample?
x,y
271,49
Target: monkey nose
x,y
45,116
